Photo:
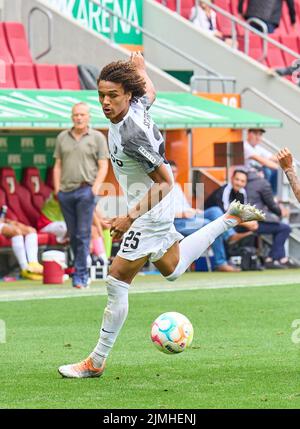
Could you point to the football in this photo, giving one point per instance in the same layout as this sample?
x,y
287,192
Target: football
x,y
172,332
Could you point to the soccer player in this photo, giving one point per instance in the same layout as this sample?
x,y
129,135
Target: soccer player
x,y
137,153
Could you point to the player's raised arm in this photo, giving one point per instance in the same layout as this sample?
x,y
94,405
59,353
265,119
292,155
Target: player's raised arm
x,y
139,61
285,159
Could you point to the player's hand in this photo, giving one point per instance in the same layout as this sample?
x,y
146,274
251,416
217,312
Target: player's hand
x,y
120,225
138,60
285,159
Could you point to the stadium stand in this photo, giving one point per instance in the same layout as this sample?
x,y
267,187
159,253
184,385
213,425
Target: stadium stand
x,y
286,33
20,70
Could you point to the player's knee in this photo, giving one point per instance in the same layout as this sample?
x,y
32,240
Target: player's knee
x,y
178,270
30,230
15,231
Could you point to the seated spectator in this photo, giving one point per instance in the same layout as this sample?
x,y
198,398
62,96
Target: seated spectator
x,y
268,11
24,242
222,197
188,220
52,221
259,192
206,18
256,155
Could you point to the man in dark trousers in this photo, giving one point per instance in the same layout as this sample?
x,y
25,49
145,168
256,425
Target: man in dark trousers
x,y
269,11
259,192
80,168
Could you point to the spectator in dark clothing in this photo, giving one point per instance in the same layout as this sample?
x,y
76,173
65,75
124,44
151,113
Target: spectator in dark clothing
x,y
259,192
223,196
235,190
269,11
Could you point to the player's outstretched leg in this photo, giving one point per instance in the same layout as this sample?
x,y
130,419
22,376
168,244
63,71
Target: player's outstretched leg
x,y
192,246
114,317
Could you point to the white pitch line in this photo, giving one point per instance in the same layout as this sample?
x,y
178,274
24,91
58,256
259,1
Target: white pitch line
x,y
42,295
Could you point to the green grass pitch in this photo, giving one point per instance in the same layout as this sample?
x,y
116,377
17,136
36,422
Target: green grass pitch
x,y
242,355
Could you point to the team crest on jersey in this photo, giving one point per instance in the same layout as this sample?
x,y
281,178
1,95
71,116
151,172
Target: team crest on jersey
x,y
146,154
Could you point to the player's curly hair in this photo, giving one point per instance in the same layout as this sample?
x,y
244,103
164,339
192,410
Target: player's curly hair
x,y
124,72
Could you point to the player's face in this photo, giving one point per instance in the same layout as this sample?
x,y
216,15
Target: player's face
x,y
239,181
80,117
115,102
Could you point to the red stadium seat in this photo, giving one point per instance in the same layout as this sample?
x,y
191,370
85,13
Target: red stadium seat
x,y
186,6
223,4
24,76
285,18
46,76
17,197
224,25
234,11
68,77
38,190
5,55
171,4
290,42
17,42
255,46
7,80
281,30
275,58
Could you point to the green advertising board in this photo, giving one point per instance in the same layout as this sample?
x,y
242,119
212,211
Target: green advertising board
x,y
90,15
46,109
21,151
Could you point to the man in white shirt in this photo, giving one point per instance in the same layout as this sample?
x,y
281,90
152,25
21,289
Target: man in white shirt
x,y
256,155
